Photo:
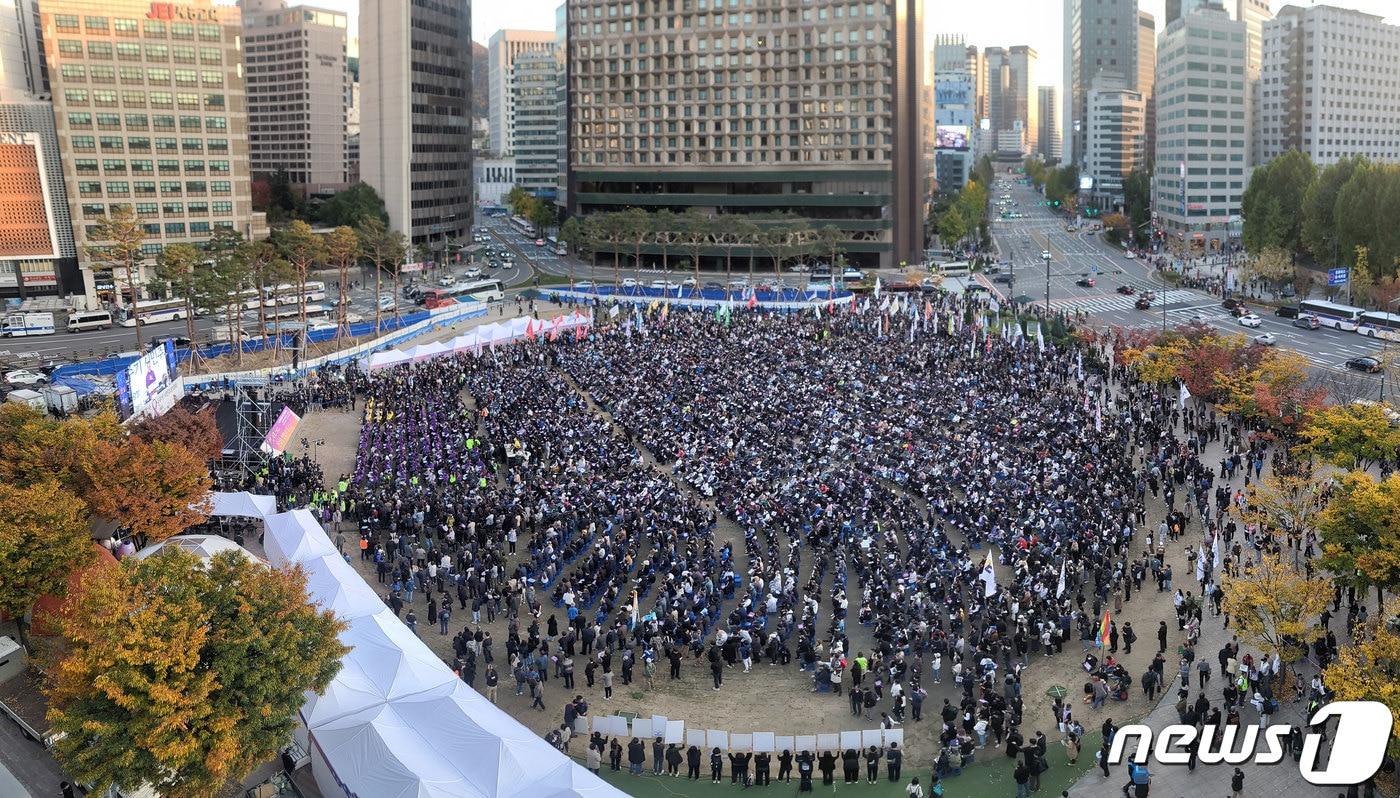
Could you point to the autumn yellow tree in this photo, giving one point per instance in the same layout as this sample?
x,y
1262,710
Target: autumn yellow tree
x,y
1276,608
44,537
35,447
155,489
1369,669
183,675
1289,501
1277,390
1361,533
1352,435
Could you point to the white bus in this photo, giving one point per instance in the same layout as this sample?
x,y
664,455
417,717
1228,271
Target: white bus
x,y
283,313
1379,325
152,312
525,228
553,245
481,290
1330,314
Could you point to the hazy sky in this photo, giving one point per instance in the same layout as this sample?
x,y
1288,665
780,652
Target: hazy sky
x,y
984,22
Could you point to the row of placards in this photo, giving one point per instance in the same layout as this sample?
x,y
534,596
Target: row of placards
x,y
674,731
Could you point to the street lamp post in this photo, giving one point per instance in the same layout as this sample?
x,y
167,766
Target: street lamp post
x,y
1045,256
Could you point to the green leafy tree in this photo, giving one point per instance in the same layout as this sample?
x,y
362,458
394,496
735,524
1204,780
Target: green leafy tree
x,y
385,248
1272,204
1361,533
952,226
44,537
351,207
1359,279
1352,435
179,266
1137,202
304,250
182,676
118,238
1319,232
342,247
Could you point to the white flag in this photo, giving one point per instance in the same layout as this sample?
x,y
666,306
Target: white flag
x,y
988,577
613,311
1201,565
877,286
1079,363
995,306
1215,550
1098,418
1040,336
1185,394
1060,590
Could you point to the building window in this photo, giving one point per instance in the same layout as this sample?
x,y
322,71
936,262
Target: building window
x,y
146,209
155,29
80,119
125,27
74,72
69,48
223,208
117,188
196,186
157,74
170,188
174,228
192,145
157,52
194,167
83,144
189,123
181,30
66,23
210,33
95,24
173,208
199,228
136,122
99,49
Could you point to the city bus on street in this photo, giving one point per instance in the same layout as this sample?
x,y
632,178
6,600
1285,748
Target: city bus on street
x,y
553,245
1379,325
479,290
153,311
1331,314
526,229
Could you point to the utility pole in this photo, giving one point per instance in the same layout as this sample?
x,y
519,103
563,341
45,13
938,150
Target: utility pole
x,y
1046,257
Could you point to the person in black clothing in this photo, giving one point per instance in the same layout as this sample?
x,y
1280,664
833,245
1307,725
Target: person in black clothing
x,y
1022,776
738,766
893,760
850,764
804,772
716,765
785,766
872,764
761,762
826,763
1129,637
692,762
1162,637
658,754
673,760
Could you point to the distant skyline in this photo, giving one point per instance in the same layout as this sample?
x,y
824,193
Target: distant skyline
x,y
990,23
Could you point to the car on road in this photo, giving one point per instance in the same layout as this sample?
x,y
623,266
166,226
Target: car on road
x,y
1045,254
1240,310
1085,282
852,274
1368,364
583,285
738,285
539,242
386,302
1231,303
1126,290
1001,278
1307,321
1265,339
447,281
1250,320
472,273
1143,303
659,285
25,377
630,282
1130,255
508,257
1286,311
800,268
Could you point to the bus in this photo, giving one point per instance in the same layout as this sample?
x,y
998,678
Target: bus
x,y
479,290
152,312
315,291
1330,314
285,313
553,245
526,229
1379,325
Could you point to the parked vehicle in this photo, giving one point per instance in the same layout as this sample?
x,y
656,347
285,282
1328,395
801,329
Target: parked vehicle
x,y
1307,321
81,320
24,324
1286,312
25,377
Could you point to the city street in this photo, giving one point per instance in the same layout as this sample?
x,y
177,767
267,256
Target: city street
x,y
1076,255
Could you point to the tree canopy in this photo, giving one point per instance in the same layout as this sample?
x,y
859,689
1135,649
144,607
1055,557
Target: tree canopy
x,y
1361,532
351,207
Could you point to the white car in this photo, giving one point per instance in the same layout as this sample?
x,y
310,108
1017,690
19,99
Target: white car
x,y
319,325
1250,320
25,377
583,285
1265,339
386,302
1130,256
472,273
447,281
659,285
630,282
738,285
689,282
1045,254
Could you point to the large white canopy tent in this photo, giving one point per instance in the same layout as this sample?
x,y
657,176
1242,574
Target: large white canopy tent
x,y
395,721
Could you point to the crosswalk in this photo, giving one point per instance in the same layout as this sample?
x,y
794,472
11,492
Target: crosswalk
x,y
1112,303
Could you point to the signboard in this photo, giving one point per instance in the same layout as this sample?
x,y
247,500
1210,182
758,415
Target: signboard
x,y
412,267
1086,183
1337,276
281,435
951,137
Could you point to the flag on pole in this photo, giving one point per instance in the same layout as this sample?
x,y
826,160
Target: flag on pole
x,y
1201,565
877,286
1079,363
753,300
613,311
1098,418
1103,638
1060,588
665,312
1185,394
988,577
1040,336
1215,551
530,330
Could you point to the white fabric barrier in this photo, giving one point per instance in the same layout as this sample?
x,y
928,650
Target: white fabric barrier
x,y
243,505
395,721
487,335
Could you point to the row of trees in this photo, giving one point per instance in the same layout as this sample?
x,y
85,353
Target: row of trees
x,y
531,208
170,672
227,270
1340,214
962,215
782,238
1061,183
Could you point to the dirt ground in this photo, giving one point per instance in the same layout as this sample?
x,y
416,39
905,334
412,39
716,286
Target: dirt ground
x,y
780,699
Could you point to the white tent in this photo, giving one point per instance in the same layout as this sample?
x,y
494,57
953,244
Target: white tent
x,y
243,504
201,546
388,357
428,350
395,721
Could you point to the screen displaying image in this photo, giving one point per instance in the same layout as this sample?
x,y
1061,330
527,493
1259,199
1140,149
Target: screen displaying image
x,y
952,137
148,375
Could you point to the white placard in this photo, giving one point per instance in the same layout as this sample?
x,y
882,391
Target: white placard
x,y
714,738
741,742
695,737
828,742
601,724
658,722
675,730
618,725
871,737
785,742
581,725
763,741
641,727
805,742
895,736
850,739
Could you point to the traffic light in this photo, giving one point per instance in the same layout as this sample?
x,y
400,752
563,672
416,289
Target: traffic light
x,y
1057,203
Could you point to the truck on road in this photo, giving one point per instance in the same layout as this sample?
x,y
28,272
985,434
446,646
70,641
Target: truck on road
x,y
21,324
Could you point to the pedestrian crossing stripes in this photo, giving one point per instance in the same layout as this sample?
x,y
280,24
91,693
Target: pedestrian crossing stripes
x,y
1116,302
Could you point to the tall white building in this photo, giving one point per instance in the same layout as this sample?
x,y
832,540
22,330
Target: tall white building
x,y
298,92
1116,117
1328,86
534,85
502,50
1012,104
1050,143
415,127
1202,141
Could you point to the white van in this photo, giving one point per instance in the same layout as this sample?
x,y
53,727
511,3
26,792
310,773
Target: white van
x,y
81,320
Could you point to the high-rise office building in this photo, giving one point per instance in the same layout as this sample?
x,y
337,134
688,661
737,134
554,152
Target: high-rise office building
x,y
1321,92
955,121
1101,37
1010,104
298,92
1147,82
787,110
415,128
1049,133
23,73
1116,120
1253,13
504,47
151,113
535,134
561,109
1202,143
